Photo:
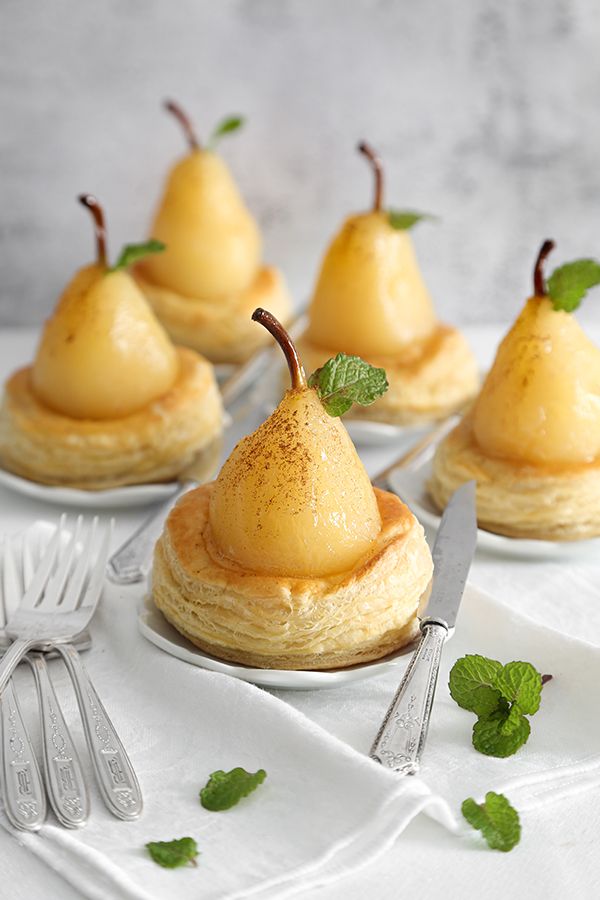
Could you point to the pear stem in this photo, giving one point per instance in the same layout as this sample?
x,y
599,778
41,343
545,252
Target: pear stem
x,y
539,282
185,122
376,163
90,202
275,327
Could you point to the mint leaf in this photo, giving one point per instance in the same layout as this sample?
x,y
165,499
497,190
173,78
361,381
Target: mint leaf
x,y
345,380
172,854
473,683
520,683
497,820
501,733
133,252
225,126
224,789
404,219
568,284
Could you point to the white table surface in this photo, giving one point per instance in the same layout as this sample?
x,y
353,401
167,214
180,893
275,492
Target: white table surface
x,y
426,861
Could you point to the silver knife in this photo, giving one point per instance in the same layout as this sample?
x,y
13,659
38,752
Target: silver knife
x,y
400,740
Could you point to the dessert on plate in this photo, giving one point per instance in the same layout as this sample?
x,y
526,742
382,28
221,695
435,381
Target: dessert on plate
x,y
204,287
370,300
109,400
291,559
532,437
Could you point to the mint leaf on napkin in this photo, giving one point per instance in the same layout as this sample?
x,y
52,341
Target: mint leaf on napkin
x,y
501,697
404,219
131,253
224,789
568,285
173,854
345,380
497,820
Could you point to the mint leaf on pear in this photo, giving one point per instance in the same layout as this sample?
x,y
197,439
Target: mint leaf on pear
x,y
568,284
345,380
224,789
131,253
497,820
225,126
520,683
404,219
501,733
173,854
473,683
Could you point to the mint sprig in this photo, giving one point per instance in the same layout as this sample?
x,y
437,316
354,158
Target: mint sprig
x,y
404,219
225,126
568,285
500,696
224,789
345,380
173,854
497,820
131,253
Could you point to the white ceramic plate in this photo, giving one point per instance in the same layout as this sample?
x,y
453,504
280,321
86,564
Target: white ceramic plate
x,y
132,495
157,630
411,485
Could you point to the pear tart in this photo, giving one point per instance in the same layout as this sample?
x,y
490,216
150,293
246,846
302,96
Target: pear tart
x,y
272,621
205,286
532,438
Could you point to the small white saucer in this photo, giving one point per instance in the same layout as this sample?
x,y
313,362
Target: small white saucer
x,y
411,485
131,495
157,630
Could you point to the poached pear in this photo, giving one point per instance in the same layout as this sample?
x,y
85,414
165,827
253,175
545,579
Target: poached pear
x,y
213,243
102,354
540,402
294,498
370,298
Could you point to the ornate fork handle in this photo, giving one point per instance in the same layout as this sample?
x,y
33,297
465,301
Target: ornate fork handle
x,y
24,796
401,738
65,783
116,778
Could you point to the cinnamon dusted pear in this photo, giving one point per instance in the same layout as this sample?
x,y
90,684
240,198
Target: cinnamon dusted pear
x,y
103,354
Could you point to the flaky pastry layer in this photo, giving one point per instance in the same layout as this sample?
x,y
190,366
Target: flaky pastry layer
x,y
291,623
222,331
515,499
432,379
178,433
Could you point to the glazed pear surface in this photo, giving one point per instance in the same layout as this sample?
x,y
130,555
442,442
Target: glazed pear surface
x,y
213,243
294,498
540,402
103,354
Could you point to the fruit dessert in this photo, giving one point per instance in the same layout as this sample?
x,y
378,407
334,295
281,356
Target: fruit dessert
x,y
532,438
291,559
370,300
210,278
108,399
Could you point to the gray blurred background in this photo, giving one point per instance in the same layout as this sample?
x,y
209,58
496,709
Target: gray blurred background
x,y
486,113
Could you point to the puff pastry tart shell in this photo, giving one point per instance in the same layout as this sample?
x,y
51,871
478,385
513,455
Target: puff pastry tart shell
x,y
221,331
431,379
179,432
291,623
517,499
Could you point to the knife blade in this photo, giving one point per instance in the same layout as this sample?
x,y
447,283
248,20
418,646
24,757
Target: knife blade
x,y
401,738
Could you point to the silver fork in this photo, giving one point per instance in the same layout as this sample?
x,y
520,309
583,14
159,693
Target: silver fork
x,y
57,605
65,783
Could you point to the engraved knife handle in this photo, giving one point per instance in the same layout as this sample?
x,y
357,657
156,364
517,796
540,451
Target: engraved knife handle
x,y
116,779
130,563
401,738
24,795
65,783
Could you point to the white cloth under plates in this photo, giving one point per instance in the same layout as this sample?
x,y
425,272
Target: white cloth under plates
x,y
325,809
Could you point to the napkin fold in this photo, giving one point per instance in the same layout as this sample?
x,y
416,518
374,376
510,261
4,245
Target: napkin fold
x,y
325,809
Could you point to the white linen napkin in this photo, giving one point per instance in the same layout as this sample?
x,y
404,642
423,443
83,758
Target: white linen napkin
x,y
325,809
